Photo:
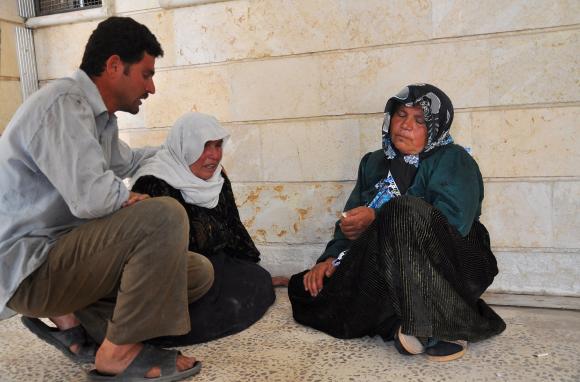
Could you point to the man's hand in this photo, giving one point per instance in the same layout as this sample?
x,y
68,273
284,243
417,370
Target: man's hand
x,y
134,197
354,222
313,278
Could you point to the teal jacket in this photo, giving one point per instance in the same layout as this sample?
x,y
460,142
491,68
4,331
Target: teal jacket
x,y
449,180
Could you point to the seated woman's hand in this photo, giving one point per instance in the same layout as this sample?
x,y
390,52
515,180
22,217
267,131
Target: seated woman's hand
x,y
313,279
356,221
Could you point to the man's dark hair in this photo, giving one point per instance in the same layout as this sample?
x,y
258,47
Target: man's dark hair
x,y
122,36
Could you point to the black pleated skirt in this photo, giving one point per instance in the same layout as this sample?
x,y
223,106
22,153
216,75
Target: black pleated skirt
x,y
409,268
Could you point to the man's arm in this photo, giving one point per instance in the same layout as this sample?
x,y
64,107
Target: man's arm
x,y
125,161
67,152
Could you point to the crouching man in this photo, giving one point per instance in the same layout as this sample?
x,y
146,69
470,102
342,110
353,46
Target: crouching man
x,y
73,238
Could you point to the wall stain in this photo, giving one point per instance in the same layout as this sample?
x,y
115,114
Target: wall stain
x,y
252,196
303,213
260,235
282,233
249,222
279,194
296,227
330,199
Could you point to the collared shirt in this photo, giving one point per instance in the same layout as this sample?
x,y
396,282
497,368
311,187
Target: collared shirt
x,y
61,163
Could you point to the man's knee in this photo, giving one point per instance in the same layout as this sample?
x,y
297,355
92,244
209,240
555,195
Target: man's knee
x,y
200,275
165,211
164,233
166,217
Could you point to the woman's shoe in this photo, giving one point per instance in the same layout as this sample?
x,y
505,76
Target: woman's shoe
x,y
444,351
408,345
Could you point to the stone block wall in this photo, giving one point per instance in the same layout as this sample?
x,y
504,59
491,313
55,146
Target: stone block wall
x,y
302,84
10,97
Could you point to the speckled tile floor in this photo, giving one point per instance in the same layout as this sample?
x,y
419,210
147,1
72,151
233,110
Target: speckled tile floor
x,y
278,349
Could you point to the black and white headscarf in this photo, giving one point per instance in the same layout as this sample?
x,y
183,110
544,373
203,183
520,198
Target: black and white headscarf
x,y
438,113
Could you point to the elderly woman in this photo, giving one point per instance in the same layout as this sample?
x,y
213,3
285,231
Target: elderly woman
x,y
187,168
409,259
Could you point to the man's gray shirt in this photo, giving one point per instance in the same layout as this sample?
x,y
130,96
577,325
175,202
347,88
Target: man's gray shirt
x,y
61,163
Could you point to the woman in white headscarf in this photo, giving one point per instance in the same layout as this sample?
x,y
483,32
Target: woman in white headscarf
x,y
188,169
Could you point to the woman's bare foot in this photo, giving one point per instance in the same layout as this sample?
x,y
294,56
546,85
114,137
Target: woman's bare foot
x,y
280,281
114,359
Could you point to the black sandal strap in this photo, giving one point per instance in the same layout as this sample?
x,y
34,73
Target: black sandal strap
x,y
149,357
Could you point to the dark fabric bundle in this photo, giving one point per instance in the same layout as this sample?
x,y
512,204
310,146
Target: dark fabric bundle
x,y
410,267
240,295
354,301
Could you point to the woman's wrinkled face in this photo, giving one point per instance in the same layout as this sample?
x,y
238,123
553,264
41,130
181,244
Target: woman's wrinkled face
x,y
207,163
408,129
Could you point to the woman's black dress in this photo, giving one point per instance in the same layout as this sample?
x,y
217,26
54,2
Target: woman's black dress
x,y
242,291
411,267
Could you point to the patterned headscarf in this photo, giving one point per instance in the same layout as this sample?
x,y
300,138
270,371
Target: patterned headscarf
x,y
438,113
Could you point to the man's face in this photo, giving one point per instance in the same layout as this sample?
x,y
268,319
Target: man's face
x,y
135,83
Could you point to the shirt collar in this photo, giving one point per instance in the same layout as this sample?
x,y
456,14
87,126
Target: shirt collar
x,y
91,91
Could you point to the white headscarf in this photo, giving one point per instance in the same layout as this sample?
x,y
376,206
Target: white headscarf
x,y
183,146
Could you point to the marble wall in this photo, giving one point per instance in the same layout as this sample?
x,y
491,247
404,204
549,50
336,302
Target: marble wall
x,y
10,97
301,85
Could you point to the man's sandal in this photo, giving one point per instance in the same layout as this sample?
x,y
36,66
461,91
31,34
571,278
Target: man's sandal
x,y
64,339
149,357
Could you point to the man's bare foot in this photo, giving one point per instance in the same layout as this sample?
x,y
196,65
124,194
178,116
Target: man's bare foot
x,y
280,281
114,359
66,322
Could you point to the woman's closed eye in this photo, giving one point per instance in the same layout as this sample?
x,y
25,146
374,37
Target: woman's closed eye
x,y
404,114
